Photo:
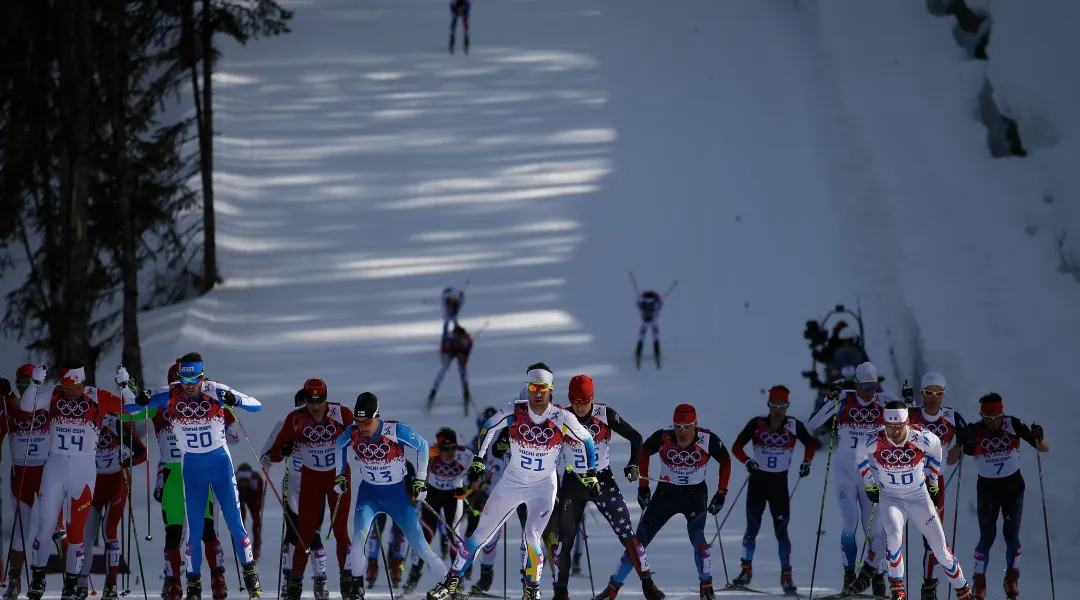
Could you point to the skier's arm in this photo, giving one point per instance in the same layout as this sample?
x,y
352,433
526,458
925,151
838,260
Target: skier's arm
x,y
133,443
742,439
862,461
821,416
624,429
1025,433
956,449
503,418
341,448
720,455
581,433
248,403
159,399
34,398
650,447
932,447
282,435
810,445
418,443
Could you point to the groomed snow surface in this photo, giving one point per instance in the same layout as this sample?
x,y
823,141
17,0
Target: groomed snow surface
x,y
773,157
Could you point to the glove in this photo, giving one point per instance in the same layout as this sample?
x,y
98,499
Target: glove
x,y
591,483
122,377
476,470
286,448
5,387
752,465
631,472
341,484
804,468
39,374
265,461
717,503
419,488
159,487
836,389
935,494
644,495
460,493
872,492
143,399
907,394
501,447
1037,431
229,398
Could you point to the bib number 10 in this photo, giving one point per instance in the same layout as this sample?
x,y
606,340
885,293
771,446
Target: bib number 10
x,y
905,479
199,440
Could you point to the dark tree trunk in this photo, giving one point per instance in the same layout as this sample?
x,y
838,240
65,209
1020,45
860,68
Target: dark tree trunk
x,y
204,113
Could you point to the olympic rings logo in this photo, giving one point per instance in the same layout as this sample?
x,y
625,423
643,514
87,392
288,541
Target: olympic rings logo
x,y
683,457
775,439
104,439
320,433
595,428
446,470
938,428
995,445
864,415
73,408
898,456
374,451
536,433
37,422
192,409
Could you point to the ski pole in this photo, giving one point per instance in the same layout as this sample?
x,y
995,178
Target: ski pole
x,y
956,506
266,474
821,513
588,557
504,560
670,289
483,328
1046,524
794,488
723,559
732,507
449,529
333,517
866,540
138,552
633,281
382,550
146,421
952,474
281,555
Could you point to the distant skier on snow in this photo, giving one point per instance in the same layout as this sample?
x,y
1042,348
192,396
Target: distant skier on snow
x,y
452,299
460,9
454,347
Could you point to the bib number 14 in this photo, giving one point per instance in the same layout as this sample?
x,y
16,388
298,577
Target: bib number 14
x,y
69,441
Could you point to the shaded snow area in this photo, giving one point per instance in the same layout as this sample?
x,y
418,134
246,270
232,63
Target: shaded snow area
x,y
774,157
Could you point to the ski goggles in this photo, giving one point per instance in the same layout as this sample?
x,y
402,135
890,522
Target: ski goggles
x,y
869,386
932,393
190,373
538,387
777,406
684,426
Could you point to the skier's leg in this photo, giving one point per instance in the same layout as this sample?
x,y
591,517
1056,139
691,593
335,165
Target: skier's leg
x,y
874,528
93,521
212,550
114,514
223,480
395,501
173,515
925,517
312,492
539,501
780,508
366,509
891,513
757,494
25,483
463,371
664,505
340,527
504,499
613,508
573,497
51,500
81,479
196,474
465,17
446,359
374,541
989,505
929,560
693,508
847,497
1012,512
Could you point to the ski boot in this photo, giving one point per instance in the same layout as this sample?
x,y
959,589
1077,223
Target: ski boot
x,y
743,578
109,592
637,354
37,583
929,589
896,588
468,571
397,565
979,590
963,593
649,589
877,585
345,583
372,572
787,583
173,589
706,590
357,592
251,581
487,577
294,589
451,43
861,581
560,593
194,587
575,564
849,577
218,588
414,578
14,586
320,592
609,592
71,587
656,352
466,44
1012,583
82,589
447,589
531,592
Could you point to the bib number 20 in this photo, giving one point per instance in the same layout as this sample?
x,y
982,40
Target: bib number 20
x,y
200,440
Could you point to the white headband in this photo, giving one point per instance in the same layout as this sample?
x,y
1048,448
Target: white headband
x,y
73,376
895,416
540,376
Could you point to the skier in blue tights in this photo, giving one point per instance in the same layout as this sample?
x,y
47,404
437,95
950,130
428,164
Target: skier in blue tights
x,y
380,447
196,407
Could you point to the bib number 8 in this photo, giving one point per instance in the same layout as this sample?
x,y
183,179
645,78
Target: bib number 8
x,y
200,440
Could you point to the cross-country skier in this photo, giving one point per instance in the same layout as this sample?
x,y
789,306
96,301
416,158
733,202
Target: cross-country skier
x,y
649,305
459,9
891,464
943,422
994,441
313,431
169,492
601,420
773,437
380,446
499,455
858,414
252,490
118,449
196,407
452,298
29,448
76,412
685,450
536,435
455,347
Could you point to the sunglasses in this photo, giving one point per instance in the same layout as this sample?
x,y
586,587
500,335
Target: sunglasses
x,y
895,425
777,406
192,380
316,399
933,394
684,426
868,386
538,387
990,418
580,400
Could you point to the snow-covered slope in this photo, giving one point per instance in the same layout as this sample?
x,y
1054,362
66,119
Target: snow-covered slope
x,y
774,158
